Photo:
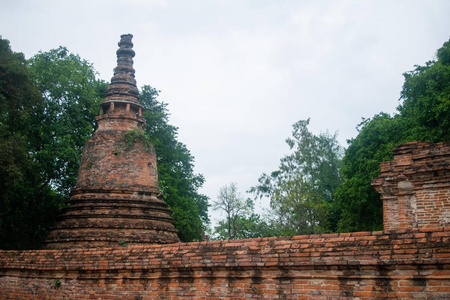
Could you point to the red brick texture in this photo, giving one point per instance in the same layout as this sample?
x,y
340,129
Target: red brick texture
x,y
108,162
415,186
409,264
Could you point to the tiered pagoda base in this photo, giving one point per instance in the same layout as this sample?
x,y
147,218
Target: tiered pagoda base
x,y
108,218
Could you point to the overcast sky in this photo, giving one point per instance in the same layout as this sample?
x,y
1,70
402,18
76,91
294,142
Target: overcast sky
x,y
238,74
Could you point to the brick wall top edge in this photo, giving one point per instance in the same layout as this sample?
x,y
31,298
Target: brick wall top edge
x,y
311,239
417,147
366,248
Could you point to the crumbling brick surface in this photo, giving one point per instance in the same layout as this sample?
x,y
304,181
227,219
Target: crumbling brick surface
x,y
110,161
415,186
411,264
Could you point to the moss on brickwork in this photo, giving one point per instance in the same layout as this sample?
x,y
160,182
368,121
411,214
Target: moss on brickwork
x,y
132,136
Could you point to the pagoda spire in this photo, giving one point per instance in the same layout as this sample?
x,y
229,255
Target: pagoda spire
x,y
122,98
123,83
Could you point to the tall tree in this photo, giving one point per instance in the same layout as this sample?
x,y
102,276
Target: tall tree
x,y
240,219
301,190
423,115
425,98
359,202
177,179
71,94
48,110
27,205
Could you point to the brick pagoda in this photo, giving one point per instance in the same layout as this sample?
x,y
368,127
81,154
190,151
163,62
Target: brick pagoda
x,y
116,199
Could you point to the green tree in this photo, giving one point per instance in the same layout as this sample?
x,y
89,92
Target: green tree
x,y
177,179
359,202
71,95
247,226
48,108
301,190
27,205
425,98
423,115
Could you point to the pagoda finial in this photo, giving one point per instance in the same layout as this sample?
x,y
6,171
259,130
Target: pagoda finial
x,y
122,97
123,84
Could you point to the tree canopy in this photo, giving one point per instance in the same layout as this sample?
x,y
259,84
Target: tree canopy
x,y
314,191
18,98
71,95
47,111
28,205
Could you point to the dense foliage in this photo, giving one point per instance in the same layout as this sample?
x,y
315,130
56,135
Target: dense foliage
x,y
47,112
47,116
423,115
21,194
71,95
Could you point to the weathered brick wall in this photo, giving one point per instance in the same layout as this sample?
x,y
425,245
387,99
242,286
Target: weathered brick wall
x,y
109,162
407,264
415,186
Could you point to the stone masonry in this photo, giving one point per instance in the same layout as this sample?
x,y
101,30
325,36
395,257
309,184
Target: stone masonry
x,y
415,186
